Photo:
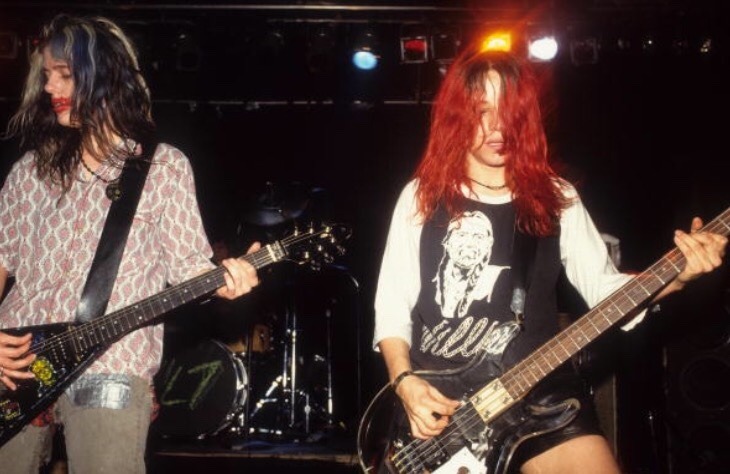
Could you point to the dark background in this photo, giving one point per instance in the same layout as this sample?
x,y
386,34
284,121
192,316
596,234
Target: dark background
x,y
267,122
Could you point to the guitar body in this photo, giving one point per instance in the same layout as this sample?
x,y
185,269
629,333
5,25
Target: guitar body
x,y
386,446
56,366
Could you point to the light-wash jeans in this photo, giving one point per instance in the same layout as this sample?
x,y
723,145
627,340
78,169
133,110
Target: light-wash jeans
x,y
98,440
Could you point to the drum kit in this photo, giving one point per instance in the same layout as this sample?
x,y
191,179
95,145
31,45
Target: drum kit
x,y
269,383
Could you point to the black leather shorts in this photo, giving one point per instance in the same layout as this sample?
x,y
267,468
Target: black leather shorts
x,y
559,386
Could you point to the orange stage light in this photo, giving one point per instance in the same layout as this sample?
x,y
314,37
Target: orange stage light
x,y
497,41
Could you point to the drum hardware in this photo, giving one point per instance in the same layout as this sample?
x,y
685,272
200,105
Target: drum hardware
x,y
290,408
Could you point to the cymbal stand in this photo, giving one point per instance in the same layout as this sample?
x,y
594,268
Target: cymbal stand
x,y
330,402
285,384
292,315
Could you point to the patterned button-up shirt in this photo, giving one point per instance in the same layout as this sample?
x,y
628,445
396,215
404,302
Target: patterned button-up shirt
x,y
48,241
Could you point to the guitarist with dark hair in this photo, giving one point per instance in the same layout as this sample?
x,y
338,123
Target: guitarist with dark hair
x,y
474,251
85,111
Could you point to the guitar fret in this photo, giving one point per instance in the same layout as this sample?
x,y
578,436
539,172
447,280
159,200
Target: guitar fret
x,y
96,335
572,339
562,347
88,333
638,280
581,338
104,333
589,329
674,265
72,340
557,360
537,371
658,277
633,303
81,341
592,322
544,358
610,311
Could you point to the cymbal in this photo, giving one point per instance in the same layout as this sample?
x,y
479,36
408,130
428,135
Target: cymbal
x,y
277,204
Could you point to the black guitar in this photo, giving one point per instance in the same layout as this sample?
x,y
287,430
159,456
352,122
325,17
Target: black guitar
x,y
494,420
64,350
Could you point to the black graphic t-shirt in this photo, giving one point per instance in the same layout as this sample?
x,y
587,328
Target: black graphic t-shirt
x,y
466,287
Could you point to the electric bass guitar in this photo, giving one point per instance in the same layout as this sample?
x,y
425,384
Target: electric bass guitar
x,y
494,420
64,350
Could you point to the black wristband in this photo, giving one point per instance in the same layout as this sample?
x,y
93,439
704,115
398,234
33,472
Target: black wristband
x,y
400,378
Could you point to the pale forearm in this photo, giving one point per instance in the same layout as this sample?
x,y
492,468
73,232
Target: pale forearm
x,y
396,356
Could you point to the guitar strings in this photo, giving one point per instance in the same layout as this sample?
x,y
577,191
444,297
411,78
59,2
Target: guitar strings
x,y
55,342
430,447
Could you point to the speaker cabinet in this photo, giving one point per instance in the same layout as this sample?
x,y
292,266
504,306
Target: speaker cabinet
x,y
697,385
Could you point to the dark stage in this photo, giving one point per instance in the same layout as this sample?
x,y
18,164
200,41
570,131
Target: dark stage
x,y
280,135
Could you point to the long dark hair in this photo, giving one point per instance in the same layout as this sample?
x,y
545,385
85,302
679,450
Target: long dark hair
x,y
455,113
110,97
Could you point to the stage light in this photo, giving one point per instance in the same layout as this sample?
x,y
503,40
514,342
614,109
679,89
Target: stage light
x,y
414,50
365,54
584,51
445,43
8,45
543,48
706,46
365,60
413,44
498,41
648,44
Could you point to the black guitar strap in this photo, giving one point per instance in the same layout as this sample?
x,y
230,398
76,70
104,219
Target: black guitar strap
x,y
125,196
524,248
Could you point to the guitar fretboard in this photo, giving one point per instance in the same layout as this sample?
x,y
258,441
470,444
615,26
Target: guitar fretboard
x,y
519,379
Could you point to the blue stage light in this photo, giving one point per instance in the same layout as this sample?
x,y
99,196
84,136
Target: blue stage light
x,y
365,59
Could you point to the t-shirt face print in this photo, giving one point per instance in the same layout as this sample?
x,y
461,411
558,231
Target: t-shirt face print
x,y
463,307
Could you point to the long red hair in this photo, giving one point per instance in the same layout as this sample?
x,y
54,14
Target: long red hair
x,y
538,197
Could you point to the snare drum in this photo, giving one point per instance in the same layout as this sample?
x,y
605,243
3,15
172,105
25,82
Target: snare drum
x,y
201,391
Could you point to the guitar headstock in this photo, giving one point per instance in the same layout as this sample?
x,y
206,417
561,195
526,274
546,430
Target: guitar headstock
x,y
316,245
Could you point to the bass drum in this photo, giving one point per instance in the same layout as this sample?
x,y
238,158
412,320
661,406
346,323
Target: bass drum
x,y
200,391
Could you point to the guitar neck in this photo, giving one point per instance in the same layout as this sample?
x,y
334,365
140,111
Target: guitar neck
x,y
518,380
110,327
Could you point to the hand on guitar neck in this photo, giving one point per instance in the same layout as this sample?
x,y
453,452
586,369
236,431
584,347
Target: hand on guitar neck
x,y
703,251
240,277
